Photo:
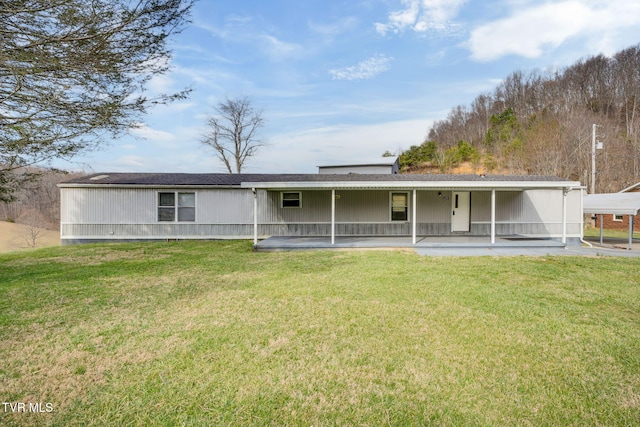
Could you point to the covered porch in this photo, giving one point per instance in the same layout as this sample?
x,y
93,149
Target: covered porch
x,y
414,211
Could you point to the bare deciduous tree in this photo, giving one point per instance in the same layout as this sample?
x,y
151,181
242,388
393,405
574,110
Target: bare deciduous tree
x,y
233,132
34,224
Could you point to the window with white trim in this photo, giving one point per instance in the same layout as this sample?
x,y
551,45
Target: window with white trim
x,y
618,218
291,199
176,206
399,206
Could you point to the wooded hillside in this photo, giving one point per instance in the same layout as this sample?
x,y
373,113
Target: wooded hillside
x,y
541,123
37,202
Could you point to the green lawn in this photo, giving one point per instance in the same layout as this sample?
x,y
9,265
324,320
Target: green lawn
x,y
616,234
210,333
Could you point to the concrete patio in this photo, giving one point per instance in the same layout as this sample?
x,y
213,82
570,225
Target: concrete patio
x,y
446,245
341,242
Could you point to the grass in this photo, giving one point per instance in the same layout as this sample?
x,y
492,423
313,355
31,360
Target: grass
x,y
194,333
615,234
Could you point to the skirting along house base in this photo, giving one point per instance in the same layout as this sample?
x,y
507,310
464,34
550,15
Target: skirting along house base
x,y
146,206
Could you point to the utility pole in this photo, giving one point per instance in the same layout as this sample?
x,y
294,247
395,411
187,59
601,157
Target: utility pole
x,y
594,145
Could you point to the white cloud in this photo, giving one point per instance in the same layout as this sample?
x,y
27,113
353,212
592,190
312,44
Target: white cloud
x,y
234,29
210,77
247,31
366,69
130,162
422,16
334,29
277,49
160,83
176,107
528,31
143,131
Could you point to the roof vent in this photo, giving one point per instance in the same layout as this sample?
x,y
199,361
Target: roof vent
x,y
98,177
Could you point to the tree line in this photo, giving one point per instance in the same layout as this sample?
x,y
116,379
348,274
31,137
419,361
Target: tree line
x,y
541,123
37,202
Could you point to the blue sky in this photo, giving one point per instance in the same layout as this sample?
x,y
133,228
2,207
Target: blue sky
x,y
341,81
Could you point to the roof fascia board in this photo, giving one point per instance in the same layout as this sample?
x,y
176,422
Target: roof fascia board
x,y
191,186
474,185
610,211
328,185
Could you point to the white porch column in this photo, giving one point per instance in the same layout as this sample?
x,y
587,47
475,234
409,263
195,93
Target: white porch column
x,y
255,216
333,217
581,215
601,228
564,215
493,217
413,217
631,219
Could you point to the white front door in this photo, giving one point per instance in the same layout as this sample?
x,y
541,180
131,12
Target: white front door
x,y
461,209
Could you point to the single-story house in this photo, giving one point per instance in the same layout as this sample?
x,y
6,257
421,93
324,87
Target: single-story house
x,y
160,206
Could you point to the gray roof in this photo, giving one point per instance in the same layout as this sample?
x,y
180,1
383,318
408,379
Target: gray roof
x,y
220,179
632,188
612,203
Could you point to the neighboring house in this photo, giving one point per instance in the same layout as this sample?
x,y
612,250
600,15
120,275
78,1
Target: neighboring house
x,y
148,206
612,221
616,222
385,165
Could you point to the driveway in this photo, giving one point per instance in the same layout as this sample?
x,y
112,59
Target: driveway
x,y
531,251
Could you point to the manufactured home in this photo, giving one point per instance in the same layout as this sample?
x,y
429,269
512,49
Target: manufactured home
x,y
166,206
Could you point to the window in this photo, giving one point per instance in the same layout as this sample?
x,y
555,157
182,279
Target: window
x,y
186,206
166,206
179,207
399,206
618,218
291,199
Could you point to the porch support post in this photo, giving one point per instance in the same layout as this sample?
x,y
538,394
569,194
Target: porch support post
x,y
493,217
333,216
255,217
581,215
413,217
631,218
601,228
564,215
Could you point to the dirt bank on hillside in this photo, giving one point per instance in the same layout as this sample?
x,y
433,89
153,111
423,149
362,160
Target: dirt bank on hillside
x,y
15,237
